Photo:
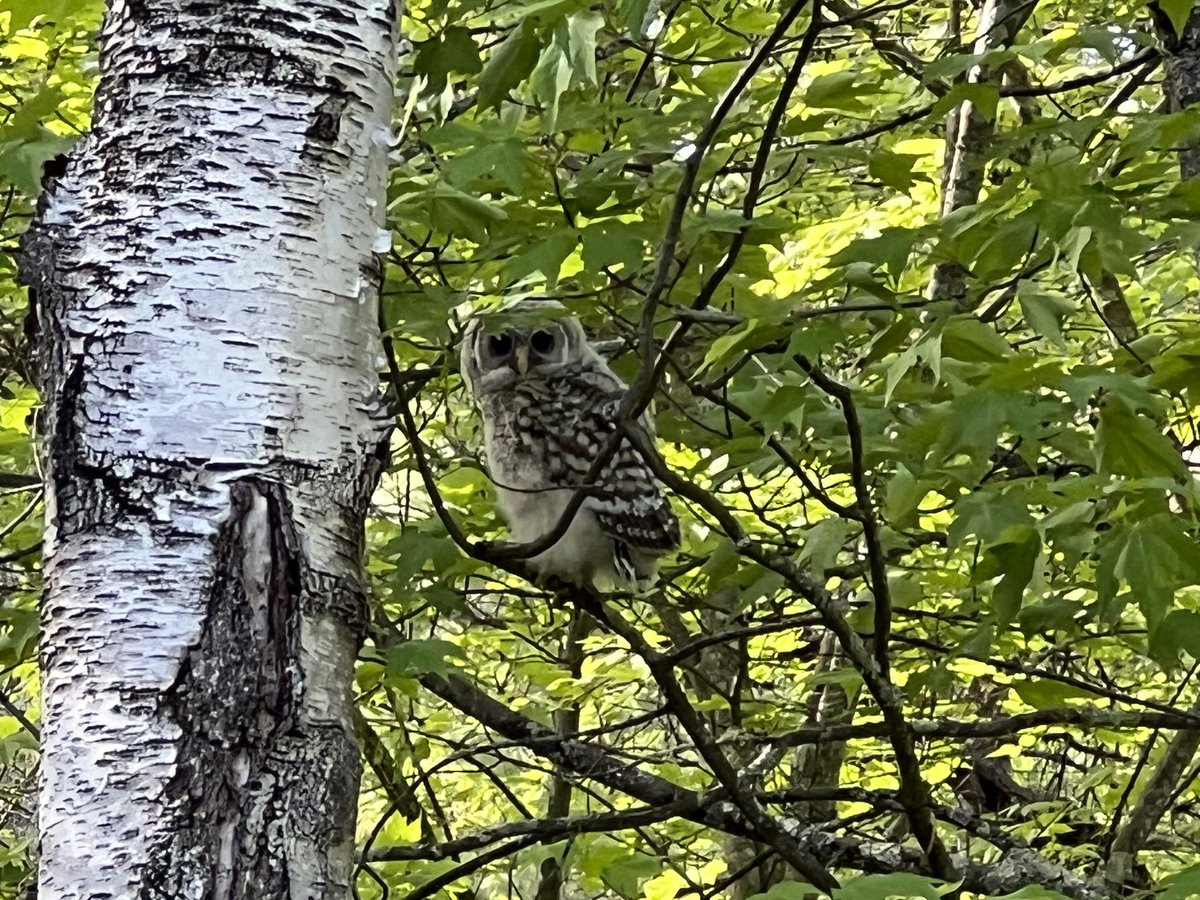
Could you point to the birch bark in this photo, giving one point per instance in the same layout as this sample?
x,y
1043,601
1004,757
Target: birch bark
x,y
204,293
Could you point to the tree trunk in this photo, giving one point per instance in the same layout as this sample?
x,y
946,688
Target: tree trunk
x,y
1181,89
819,765
203,295
1155,801
1182,85
969,134
551,876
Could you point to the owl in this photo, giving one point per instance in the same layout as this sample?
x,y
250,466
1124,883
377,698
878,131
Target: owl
x,y
549,403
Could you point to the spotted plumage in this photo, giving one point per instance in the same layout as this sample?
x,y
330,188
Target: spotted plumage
x,y
549,405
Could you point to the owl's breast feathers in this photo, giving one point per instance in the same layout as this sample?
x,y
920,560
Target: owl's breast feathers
x,y
556,428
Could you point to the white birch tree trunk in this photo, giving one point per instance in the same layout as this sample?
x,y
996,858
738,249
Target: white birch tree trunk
x,y
204,294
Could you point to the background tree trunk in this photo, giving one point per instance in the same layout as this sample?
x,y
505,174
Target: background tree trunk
x,y
1181,89
969,132
204,298
1182,85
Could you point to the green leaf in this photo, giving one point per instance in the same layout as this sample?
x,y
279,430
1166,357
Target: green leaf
x,y
847,678
463,482
551,76
1033,892
1184,885
970,340
890,250
529,11
25,123
545,255
454,50
984,96
626,873
21,162
838,90
883,887
1056,614
787,890
724,347
1134,446
904,495
779,407
1178,11
1005,246
505,161
509,65
456,212
991,516
1044,310
412,658
1017,560
1043,693
581,29
61,13
1179,632
612,242
822,544
893,169
1154,556
635,15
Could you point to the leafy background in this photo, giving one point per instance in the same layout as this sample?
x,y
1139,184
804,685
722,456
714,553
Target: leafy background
x,y
922,290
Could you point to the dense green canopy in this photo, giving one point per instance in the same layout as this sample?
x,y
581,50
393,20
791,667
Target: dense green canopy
x,y
913,288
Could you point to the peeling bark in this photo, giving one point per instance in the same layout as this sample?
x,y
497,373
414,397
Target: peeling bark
x,y
204,295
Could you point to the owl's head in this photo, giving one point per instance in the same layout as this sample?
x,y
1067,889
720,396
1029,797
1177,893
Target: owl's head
x,y
532,340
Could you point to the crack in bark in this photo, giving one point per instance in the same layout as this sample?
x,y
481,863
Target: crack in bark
x,y
234,700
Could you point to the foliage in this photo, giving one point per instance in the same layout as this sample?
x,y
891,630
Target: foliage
x,y
940,446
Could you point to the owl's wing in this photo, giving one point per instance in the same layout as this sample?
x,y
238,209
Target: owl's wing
x,y
629,503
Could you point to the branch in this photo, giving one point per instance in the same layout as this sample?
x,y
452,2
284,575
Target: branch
x,y
17,713
548,831
914,792
1003,726
640,392
1018,868
399,792
1005,665
462,870
18,481
864,509
968,138
766,828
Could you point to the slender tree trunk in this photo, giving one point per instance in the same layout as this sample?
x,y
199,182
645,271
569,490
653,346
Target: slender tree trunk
x,y
1154,802
204,298
1181,89
816,765
969,133
566,722
1182,85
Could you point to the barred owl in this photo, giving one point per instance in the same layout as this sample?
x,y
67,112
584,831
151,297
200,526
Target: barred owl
x,y
549,404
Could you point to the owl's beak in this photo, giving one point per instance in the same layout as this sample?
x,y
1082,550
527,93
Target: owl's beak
x,y
521,359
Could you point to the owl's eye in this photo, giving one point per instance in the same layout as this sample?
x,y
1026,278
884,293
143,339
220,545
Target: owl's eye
x,y
499,344
542,342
